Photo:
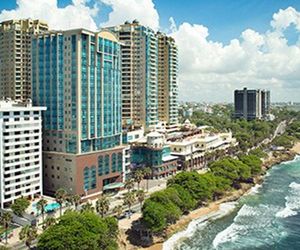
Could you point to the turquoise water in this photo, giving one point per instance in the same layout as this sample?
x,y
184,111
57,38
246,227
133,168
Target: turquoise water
x,y
49,207
267,218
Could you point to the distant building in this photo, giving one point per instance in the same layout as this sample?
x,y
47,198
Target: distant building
x,y
77,75
15,59
251,104
20,151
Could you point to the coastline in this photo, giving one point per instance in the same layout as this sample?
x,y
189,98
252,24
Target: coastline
x,y
214,206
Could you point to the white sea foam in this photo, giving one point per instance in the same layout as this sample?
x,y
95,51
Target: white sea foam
x,y
292,204
255,189
197,224
244,223
297,158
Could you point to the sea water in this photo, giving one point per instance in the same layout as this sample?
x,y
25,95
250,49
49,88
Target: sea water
x,y
267,218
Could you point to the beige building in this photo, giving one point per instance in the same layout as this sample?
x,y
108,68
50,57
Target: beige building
x,y
139,74
15,56
167,79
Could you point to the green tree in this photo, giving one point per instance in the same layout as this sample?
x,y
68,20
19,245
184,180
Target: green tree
x,y
129,199
28,234
40,206
19,206
140,195
49,221
147,174
76,200
154,216
87,207
138,177
6,218
80,231
60,197
102,205
118,210
129,184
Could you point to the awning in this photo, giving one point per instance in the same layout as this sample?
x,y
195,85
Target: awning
x,y
113,186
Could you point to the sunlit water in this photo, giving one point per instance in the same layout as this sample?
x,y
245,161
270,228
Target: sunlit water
x,y
267,218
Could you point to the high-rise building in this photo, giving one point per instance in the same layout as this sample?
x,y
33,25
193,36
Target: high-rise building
x,y
20,151
167,79
251,104
76,75
139,57
15,58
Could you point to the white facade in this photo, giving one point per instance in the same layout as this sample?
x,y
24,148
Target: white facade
x,y
20,151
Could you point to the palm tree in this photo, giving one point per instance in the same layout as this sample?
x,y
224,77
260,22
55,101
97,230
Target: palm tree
x,y
49,221
28,234
102,205
5,221
118,210
129,199
138,177
140,194
41,204
147,173
60,197
129,184
87,207
76,200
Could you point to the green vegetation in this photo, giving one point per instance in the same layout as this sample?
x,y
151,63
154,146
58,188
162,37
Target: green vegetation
x,y
6,218
19,206
188,190
85,230
28,234
284,141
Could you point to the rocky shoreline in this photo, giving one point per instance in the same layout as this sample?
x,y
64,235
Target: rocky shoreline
x,y
212,207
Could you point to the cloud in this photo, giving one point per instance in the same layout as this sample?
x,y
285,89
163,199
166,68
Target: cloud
x,y
284,18
173,26
210,70
128,10
75,15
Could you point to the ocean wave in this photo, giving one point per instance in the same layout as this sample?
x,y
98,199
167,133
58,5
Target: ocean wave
x,y
248,221
292,204
296,159
197,224
255,189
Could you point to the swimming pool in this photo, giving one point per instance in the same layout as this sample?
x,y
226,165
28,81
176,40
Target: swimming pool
x,y
49,207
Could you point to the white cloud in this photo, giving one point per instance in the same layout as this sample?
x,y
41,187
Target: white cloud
x,y
284,18
75,15
128,10
173,26
210,70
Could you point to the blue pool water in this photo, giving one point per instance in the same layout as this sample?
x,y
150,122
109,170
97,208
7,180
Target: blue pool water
x,y
49,207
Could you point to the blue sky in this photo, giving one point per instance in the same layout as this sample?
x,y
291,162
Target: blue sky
x,y
226,19
242,48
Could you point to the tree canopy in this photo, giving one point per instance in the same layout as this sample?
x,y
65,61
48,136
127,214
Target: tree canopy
x,y
80,231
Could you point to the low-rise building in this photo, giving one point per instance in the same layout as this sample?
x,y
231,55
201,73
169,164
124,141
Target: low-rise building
x,y
191,146
20,151
151,151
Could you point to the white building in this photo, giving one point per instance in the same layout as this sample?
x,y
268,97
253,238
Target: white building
x,y
20,151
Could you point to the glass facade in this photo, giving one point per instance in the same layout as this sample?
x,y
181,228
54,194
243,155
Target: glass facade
x,y
68,62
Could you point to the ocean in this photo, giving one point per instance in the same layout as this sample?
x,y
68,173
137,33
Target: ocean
x,y
266,218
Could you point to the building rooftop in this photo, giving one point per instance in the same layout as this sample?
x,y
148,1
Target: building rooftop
x,y
9,105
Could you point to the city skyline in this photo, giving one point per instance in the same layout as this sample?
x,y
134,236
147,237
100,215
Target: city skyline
x,y
261,49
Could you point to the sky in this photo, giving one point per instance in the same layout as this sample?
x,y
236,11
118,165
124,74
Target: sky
x,y
222,44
